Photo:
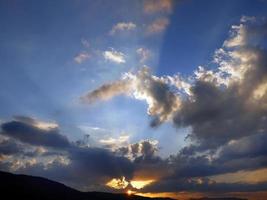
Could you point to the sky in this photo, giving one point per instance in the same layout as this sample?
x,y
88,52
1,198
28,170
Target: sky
x,y
156,97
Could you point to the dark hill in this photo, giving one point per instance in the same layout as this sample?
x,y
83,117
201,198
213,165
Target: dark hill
x,y
32,188
29,187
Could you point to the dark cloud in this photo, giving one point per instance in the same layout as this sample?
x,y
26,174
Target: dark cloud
x,y
9,147
247,147
101,162
76,165
220,113
28,133
144,150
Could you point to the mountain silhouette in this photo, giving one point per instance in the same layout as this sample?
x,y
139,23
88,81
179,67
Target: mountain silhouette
x,y
14,186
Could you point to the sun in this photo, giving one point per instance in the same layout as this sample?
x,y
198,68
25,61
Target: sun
x,y
129,192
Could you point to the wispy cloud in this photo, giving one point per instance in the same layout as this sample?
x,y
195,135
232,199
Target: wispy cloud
x,y
157,26
114,56
153,6
122,26
85,43
81,57
143,53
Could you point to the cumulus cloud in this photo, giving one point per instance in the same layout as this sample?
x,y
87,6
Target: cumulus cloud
x,y
122,26
114,56
229,102
157,26
143,150
162,102
154,6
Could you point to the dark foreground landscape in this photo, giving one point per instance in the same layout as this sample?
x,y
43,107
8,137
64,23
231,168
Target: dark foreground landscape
x,y
29,187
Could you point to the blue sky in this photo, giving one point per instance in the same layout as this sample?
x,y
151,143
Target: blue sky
x,y
53,53
39,41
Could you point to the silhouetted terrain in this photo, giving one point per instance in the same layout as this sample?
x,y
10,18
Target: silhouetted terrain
x,y
22,186
30,187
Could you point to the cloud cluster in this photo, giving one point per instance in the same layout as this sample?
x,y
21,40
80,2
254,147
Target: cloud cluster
x,y
58,158
229,103
143,150
225,108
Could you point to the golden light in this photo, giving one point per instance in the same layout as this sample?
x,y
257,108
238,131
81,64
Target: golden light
x,y
118,183
173,195
129,192
138,184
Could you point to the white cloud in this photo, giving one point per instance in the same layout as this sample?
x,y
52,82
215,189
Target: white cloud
x,y
122,26
239,36
115,143
81,57
114,56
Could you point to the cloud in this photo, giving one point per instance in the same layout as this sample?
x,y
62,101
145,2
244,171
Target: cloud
x,y
114,143
162,102
243,176
114,56
144,54
144,150
225,107
154,6
230,102
122,26
81,57
107,91
85,43
203,185
9,147
76,165
34,132
157,26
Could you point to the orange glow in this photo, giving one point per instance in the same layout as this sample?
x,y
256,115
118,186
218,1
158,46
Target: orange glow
x,y
129,192
138,184
121,183
251,177
173,195
118,183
